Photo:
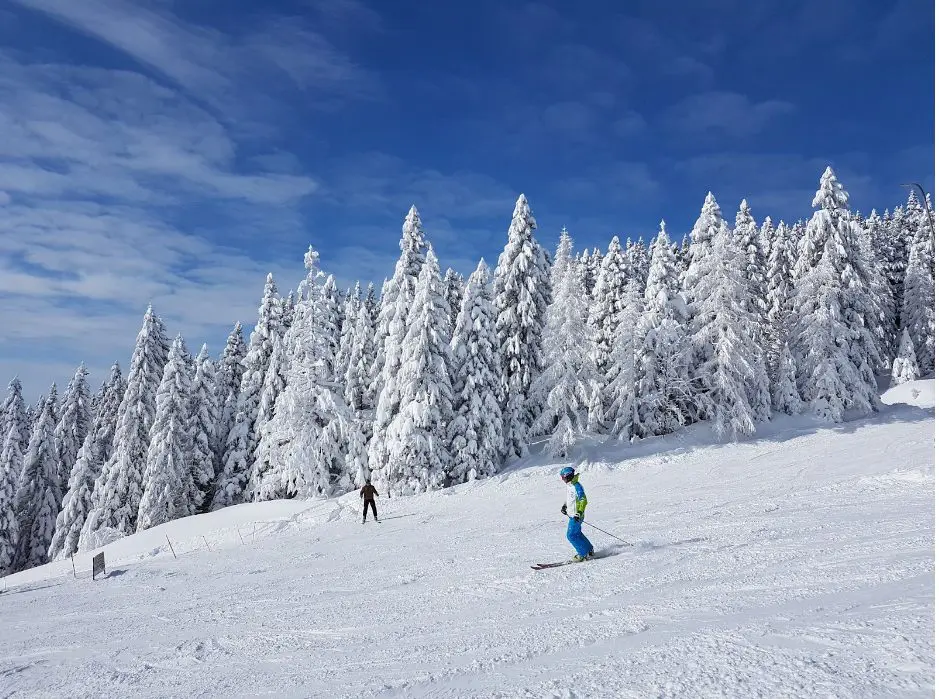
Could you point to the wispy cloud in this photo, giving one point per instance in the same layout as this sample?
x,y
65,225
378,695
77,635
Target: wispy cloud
x,y
106,179
210,65
724,114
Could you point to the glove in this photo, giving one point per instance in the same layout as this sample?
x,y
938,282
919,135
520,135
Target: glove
x,y
578,517
564,509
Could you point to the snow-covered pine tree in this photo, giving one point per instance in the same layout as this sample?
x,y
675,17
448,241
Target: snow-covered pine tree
x,y
521,286
905,366
37,492
475,433
695,289
785,393
736,387
397,296
312,424
564,389
274,383
350,316
662,347
849,256
829,380
357,395
877,234
95,451
796,234
767,235
371,302
418,451
204,411
637,260
74,421
778,294
227,386
453,284
583,269
116,499
620,380
286,312
242,438
747,238
331,324
12,426
606,304
918,315
168,481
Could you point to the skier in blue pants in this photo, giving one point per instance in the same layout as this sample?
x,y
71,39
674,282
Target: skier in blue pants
x,y
577,502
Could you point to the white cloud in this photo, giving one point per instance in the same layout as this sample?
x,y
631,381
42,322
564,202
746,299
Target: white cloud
x,y
726,114
104,177
207,63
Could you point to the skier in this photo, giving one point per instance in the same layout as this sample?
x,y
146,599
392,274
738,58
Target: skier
x,y
576,501
368,494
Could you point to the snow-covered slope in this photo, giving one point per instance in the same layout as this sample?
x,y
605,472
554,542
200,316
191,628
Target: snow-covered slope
x,y
797,564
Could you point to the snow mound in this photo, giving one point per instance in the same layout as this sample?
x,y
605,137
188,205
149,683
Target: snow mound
x,y
920,393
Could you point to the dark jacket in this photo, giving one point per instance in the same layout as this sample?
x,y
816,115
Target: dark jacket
x,y
368,492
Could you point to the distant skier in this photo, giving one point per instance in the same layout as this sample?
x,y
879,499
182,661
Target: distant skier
x,y
576,501
368,494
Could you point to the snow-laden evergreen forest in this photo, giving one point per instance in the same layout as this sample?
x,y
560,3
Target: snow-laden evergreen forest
x,y
437,380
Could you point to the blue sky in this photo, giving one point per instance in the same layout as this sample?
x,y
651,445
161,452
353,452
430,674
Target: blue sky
x,y
175,152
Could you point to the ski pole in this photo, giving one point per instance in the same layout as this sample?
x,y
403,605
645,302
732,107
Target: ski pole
x,y
606,532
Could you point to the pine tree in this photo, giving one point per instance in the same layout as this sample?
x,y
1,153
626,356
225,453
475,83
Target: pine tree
x,y
168,481
204,411
361,356
520,287
37,492
397,296
785,398
606,304
767,236
662,351
331,324
828,377
243,436
311,423
637,260
778,294
620,380
919,311
116,499
418,456
565,387
747,238
227,386
74,421
453,284
357,395
853,315
12,425
274,383
736,394
696,288
350,319
905,366
13,413
475,434
84,478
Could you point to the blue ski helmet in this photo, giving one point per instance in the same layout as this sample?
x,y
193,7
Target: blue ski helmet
x,y
567,473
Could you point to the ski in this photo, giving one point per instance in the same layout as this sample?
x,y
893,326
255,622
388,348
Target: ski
x,y
542,566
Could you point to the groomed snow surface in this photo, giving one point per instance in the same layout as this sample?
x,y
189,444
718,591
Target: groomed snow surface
x,y
799,564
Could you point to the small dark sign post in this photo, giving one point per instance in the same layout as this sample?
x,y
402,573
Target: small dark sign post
x,y
97,565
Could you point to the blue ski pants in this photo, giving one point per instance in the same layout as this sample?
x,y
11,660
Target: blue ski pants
x,y
580,542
